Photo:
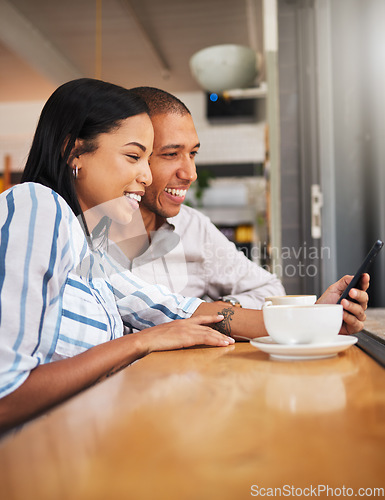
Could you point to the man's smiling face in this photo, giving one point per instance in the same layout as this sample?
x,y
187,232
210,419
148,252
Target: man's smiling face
x,y
172,165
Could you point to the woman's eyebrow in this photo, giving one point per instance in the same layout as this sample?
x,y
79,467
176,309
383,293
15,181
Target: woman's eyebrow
x,y
143,148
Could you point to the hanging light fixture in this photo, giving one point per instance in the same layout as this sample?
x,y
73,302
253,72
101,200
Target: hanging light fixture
x,y
223,67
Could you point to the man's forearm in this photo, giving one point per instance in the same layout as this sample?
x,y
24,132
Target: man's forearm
x,y
238,322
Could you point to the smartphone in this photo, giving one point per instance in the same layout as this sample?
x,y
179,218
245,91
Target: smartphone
x,y
362,269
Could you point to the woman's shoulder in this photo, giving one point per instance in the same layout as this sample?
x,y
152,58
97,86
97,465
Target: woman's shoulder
x,y
38,208
31,210
36,190
34,197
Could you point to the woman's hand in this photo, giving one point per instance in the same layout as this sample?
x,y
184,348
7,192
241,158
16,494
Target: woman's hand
x,y
354,313
183,333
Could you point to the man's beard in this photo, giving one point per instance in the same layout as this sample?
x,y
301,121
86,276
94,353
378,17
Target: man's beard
x,y
149,202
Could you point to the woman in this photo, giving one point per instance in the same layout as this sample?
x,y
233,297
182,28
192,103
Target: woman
x,y
62,316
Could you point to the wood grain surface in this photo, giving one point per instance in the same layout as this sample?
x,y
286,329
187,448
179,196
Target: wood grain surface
x,y
206,423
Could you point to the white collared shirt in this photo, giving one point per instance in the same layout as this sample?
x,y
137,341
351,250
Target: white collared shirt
x,y
189,255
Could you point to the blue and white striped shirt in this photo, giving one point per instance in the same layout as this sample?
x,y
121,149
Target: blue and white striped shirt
x,y
57,296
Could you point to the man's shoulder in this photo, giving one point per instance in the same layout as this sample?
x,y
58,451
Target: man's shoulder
x,y
194,225
190,215
190,220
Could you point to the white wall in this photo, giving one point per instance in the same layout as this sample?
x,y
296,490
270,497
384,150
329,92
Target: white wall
x,y
225,143
18,121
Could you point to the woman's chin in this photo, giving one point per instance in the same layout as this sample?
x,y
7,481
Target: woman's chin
x,y
122,217
122,209
119,211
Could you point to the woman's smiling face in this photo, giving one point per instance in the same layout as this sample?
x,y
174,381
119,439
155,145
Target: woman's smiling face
x,y
111,180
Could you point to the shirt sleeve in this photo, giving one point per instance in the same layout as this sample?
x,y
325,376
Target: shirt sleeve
x,y
35,259
231,273
143,305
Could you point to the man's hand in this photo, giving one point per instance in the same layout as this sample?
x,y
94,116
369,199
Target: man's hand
x,y
354,313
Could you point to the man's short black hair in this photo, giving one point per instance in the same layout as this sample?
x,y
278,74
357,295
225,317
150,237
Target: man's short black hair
x,y
160,102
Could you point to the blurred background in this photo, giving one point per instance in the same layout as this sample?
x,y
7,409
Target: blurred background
x,y
292,164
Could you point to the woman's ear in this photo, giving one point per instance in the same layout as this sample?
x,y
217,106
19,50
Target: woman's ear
x,y
75,154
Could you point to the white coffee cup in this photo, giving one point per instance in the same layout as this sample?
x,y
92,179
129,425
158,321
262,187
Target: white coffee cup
x,y
285,300
297,324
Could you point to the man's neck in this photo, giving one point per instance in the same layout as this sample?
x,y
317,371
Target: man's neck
x,y
152,221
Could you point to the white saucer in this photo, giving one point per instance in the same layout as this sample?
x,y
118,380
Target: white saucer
x,y
303,351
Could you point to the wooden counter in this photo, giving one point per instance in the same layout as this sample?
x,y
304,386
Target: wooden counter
x,y
207,423
375,322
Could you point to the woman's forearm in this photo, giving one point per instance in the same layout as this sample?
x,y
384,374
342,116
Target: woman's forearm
x,y
53,383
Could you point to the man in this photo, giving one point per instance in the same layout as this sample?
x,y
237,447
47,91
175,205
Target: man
x,y
200,261
187,253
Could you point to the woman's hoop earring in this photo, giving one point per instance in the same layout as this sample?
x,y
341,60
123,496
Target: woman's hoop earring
x,y
75,171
